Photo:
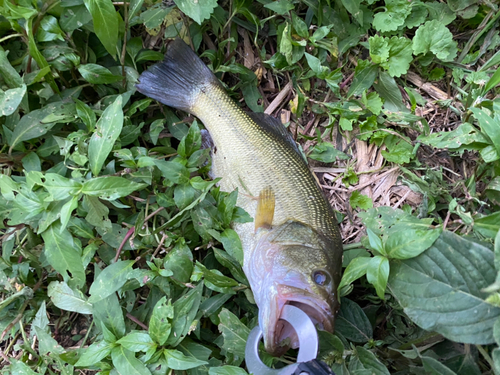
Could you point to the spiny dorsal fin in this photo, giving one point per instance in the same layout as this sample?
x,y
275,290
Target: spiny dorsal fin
x,y
265,209
273,125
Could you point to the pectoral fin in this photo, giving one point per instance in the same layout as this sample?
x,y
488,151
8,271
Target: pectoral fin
x,y
265,209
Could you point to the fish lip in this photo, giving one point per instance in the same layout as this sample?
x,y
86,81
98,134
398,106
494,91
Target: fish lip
x,y
274,330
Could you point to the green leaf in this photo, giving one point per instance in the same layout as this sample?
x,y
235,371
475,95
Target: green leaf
x,y
97,213
107,131
434,367
173,171
393,17
359,200
464,134
137,341
369,362
185,310
326,153
227,370
389,91
354,271
94,353
352,322
109,312
40,121
280,6
410,243
434,37
105,23
487,225
178,361
235,333
160,322
489,126
73,18
377,274
110,187
375,242
10,100
197,10
400,56
97,74
364,76
232,244
352,7
61,188
67,298
379,49
64,254
110,280
86,114
440,290
125,362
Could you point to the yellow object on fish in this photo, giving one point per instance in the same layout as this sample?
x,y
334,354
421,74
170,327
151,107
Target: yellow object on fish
x,y
293,250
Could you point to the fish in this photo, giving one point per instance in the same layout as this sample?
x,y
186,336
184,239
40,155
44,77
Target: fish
x,y
293,249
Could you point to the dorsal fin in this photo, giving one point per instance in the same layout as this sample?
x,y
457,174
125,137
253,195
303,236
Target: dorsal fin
x,y
275,126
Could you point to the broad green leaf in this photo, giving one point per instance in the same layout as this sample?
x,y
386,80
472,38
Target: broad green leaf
x,y
10,100
232,244
110,280
185,310
86,114
389,91
379,49
280,6
410,243
105,23
67,298
178,361
94,353
97,74
64,254
179,260
377,274
154,16
327,153
370,362
227,370
137,341
440,290
359,200
490,126
354,271
197,10
464,134
110,313
487,225
107,131
434,37
434,367
134,6
38,122
74,17
59,187
160,322
364,76
235,333
352,7
352,322
173,171
110,187
400,56
125,362
97,213
394,15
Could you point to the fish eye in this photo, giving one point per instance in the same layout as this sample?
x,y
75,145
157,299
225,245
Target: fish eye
x,y
321,277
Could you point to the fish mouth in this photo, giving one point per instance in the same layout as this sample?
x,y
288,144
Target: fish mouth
x,y
279,335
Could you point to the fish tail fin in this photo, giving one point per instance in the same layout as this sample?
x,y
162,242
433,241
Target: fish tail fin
x,y
178,79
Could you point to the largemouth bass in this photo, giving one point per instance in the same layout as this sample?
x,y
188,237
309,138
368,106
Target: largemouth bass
x,y
293,249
